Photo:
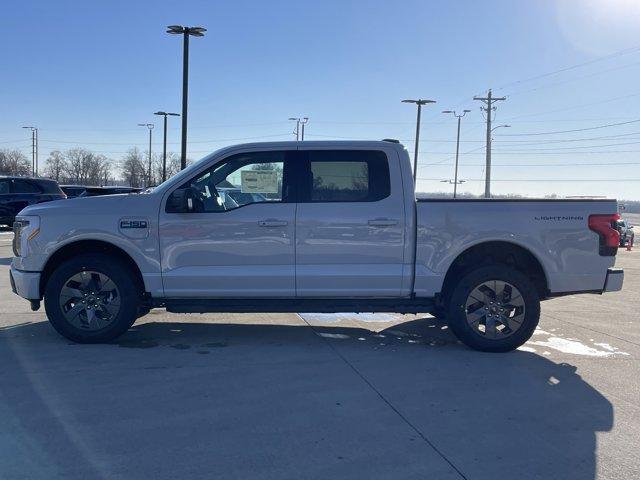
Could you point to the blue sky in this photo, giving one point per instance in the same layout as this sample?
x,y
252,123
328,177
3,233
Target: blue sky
x,y
86,73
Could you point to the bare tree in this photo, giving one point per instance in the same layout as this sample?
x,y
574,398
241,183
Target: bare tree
x,y
56,165
14,162
133,168
173,166
85,167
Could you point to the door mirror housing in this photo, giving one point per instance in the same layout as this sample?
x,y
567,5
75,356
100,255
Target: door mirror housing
x,y
181,201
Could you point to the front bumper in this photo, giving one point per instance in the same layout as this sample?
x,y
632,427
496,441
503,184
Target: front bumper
x,y
614,279
25,284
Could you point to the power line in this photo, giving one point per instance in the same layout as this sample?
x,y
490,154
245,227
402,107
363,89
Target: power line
x,y
568,131
616,180
541,164
619,53
521,92
574,107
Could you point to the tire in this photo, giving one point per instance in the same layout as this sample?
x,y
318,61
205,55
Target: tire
x,y
494,322
440,312
85,282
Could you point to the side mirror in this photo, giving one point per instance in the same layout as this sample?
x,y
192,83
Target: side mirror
x,y
181,201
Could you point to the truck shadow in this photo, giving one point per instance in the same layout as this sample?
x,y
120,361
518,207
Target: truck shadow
x,y
277,401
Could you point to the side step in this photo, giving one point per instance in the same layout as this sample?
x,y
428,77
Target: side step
x,y
315,305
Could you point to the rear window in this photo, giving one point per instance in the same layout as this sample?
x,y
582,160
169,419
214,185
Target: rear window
x,y
24,186
348,176
50,187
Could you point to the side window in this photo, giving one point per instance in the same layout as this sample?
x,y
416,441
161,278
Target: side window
x,y
238,181
4,186
23,186
347,176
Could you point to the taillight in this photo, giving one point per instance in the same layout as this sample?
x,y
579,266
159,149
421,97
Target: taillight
x,y
605,227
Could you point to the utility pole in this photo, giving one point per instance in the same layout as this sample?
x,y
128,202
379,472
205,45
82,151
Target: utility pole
x,y
34,150
297,130
150,127
419,102
489,108
303,122
455,178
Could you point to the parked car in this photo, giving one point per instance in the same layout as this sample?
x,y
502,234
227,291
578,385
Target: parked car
x,y
345,234
17,193
626,233
98,191
73,191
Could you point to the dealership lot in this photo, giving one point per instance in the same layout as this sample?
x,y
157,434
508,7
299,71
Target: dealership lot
x,y
323,395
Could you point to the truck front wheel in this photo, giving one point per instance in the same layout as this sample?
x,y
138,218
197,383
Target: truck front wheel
x,y
92,298
494,308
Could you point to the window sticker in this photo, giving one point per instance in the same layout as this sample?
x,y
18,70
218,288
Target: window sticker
x,y
259,181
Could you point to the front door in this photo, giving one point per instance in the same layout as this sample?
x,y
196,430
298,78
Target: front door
x,y
238,239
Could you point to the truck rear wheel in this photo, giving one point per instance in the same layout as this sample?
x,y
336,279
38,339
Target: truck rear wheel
x,y
92,299
494,308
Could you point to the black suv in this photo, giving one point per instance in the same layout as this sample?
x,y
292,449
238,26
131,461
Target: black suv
x,y
17,193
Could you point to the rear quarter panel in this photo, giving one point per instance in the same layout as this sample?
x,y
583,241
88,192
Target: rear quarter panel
x,y
555,232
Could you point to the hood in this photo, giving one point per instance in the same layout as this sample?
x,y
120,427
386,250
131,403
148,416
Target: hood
x,y
125,204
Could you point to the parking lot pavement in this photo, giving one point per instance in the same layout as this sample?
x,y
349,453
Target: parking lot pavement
x,y
279,396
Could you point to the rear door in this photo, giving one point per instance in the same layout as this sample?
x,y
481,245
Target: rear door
x,y
350,224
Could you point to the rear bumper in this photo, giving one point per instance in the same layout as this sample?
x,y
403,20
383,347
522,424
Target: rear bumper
x,y
25,284
614,280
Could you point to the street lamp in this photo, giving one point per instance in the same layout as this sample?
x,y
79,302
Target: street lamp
x,y
164,145
303,122
455,178
150,127
487,178
34,150
420,102
186,32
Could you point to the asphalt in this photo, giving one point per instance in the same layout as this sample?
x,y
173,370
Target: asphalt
x,y
284,396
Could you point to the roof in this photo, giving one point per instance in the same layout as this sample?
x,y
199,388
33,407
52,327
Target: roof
x,y
320,143
18,177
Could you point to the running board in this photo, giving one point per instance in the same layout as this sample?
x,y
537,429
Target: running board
x,y
296,305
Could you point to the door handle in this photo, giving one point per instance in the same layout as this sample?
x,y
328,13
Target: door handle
x,y
382,222
273,223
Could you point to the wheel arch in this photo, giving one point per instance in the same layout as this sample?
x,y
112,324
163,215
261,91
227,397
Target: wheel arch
x,y
501,252
79,247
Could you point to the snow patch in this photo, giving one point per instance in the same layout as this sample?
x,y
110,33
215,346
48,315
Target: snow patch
x,y
340,336
575,347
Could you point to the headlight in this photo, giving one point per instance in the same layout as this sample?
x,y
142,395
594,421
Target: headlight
x,y
24,229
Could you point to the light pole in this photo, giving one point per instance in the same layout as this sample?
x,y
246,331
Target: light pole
x,y
303,122
185,32
150,127
487,178
164,143
420,102
34,150
455,178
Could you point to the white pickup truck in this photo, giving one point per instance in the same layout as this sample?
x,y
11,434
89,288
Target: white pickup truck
x,y
310,227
